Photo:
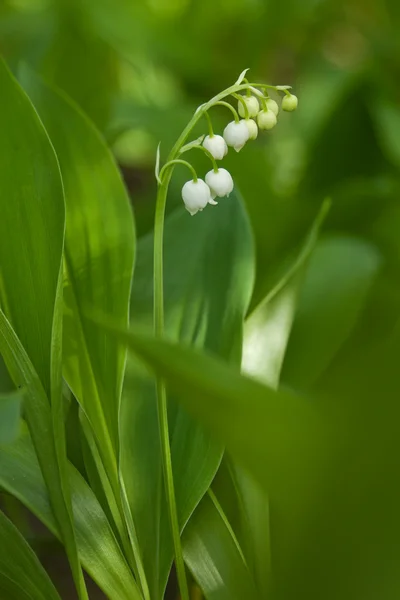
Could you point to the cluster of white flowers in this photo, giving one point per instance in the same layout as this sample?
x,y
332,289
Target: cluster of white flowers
x,y
257,111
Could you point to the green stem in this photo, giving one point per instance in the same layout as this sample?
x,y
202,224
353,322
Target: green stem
x,y
210,127
161,391
210,156
263,101
177,161
159,325
241,99
227,105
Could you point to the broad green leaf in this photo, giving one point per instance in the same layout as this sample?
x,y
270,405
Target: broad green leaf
x,y
31,226
98,549
22,577
10,409
214,556
336,286
99,254
208,277
31,245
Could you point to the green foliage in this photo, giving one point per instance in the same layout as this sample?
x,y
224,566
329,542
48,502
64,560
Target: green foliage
x,y
21,574
281,339
10,407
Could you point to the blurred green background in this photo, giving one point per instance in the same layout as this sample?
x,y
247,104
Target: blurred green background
x,y
139,70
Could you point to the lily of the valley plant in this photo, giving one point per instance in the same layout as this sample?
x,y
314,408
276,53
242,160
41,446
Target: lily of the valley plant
x,y
253,102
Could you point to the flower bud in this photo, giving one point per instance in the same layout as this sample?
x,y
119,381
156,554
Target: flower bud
x,y
236,134
289,103
252,127
252,106
272,105
266,119
216,145
196,195
220,182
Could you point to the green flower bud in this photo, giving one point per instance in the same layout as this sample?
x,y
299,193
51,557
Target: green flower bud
x,y
266,119
289,103
252,127
272,105
252,106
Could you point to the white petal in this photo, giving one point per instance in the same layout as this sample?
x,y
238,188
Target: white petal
x,y
195,195
236,134
220,182
216,145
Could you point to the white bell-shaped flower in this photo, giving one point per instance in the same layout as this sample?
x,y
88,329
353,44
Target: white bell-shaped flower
x,y
272,105
253,129
236,134
289,103
266,119
220,182
252,106
216,145
196,195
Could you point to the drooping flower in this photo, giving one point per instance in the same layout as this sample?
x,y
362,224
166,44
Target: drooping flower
x,y
266,119
289,102
216,145
252,127
220,182
236,134
252,106
272,105
196,195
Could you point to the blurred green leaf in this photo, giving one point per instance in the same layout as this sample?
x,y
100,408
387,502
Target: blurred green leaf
x,y
22,577
268,326
246,506
213,554
319,467
337,282
77,60
208,277
98,549
387,119
266,333
10,409
280,437
31,244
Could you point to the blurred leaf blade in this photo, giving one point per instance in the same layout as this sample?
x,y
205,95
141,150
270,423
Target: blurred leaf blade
x,y
273,434
268,326
213,554
327,314
10,410
22,577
